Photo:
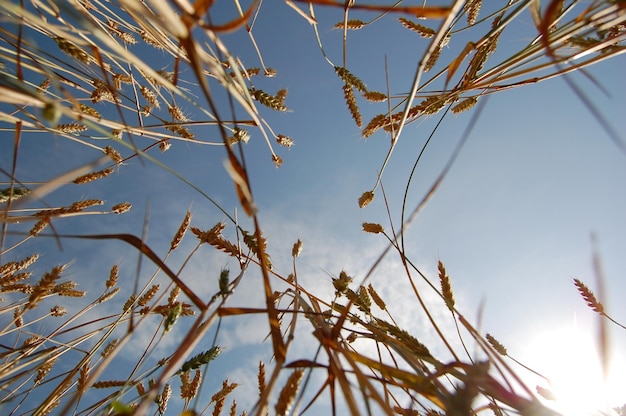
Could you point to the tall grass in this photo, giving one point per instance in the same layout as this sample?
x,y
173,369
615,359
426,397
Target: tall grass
x,y
82,71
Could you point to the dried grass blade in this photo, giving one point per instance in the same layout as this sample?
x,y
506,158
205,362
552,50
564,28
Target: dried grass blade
x,y
432,12
147,251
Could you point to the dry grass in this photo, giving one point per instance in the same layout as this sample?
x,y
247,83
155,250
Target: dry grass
x,y
102,93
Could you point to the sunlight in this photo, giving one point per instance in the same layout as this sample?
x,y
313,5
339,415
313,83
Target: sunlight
x,y
568,357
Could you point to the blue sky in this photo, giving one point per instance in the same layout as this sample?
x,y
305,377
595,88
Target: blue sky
x,y
512,221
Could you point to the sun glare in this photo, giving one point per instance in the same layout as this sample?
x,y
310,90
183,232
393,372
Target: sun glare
x,y
568,357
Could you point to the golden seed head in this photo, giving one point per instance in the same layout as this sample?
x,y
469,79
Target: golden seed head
x,y
369,227
297,249
278,161
121,208
57,311
375,96
113,154
90,177
72,127
284,140
365,199
352,24
465,105
342,282
164,145
424,31
348,93
496,345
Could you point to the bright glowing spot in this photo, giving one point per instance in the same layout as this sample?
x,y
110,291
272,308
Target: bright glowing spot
x,y
568,357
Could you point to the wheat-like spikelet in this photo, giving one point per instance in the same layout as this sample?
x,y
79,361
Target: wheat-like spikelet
x,y
150,40
148,295
44,369
268,100
288,393
184,385
71,127
404,337
126,37
176,113
45,285
432,59
283,140
83,376
296,249
239,135
375,123
14,193
589,297
226,246
352,24
171,299
113,154
15,266
107,295
433,104
173,312
375,96
424,31
261,378
278,161
84,204
350,79
109,348
366,198
164,145
281,95
446,288
71,293
17,317
233,409
181,131
376,298
210,235
119,79
363,301
223,282
189,388
480,57
226,389
113,275
374,228
17,287
201,359
43,87
121,208
150,96
129,303
465,105
180,233
164,398
12,278
348,93
342,282
496,345
85,109
90,177
72,50
472,8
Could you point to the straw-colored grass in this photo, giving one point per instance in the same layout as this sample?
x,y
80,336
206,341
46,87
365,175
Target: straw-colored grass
x,y
67,338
